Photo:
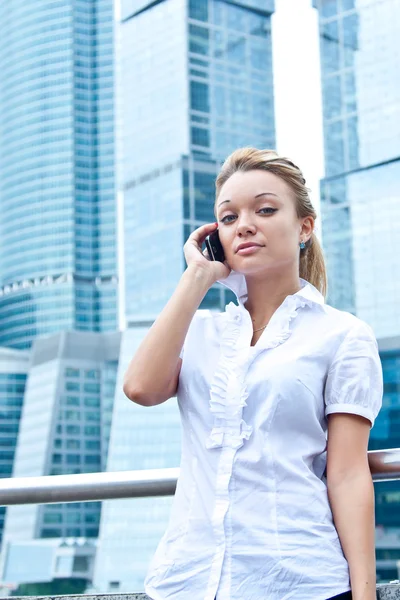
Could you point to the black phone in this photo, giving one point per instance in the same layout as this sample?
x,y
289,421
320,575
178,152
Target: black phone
x,y
214,247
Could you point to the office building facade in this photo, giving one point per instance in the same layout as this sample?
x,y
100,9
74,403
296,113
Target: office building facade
x,y
359,194
58,218
196,83
64,429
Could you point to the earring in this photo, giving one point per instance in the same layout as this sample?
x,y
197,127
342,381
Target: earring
x,y
302,245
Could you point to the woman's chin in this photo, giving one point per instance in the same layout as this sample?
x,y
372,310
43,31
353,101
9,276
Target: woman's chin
x,y
250,267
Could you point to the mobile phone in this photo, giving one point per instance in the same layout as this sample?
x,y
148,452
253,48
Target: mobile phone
x,y
214,247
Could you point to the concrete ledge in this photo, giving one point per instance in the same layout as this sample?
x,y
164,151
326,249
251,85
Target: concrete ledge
x,y
388,591
384,591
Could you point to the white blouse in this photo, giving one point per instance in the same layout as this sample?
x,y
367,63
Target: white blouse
x,y
251,517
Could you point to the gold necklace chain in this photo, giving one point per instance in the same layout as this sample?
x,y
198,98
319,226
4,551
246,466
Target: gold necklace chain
x,y
254,330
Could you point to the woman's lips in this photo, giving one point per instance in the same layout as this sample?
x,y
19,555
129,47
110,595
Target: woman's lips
x,y
248,250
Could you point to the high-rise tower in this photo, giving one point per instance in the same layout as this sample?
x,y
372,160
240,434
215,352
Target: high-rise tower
x,y
359,195
57,198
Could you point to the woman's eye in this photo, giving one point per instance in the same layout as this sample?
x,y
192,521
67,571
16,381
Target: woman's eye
x,y
268,209
224,220
271,210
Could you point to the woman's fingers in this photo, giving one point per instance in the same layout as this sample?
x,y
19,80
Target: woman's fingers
x,y
200,234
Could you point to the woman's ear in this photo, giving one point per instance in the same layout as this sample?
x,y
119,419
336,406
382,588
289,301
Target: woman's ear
x,y
307,227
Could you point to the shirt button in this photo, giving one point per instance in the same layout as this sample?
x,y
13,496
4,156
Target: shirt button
x,y
237,318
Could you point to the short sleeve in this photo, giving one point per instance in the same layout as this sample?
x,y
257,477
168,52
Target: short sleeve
x,y
181,352
355,383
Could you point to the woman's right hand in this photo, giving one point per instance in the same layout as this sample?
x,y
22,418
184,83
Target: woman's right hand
x,y
196,258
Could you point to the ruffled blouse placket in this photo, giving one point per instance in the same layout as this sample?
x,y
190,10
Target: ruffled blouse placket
x,y
228,394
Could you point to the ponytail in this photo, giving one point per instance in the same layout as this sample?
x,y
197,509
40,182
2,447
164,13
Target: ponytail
x,y
312,265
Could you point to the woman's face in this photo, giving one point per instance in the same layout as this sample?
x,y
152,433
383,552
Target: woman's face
x,y
258,207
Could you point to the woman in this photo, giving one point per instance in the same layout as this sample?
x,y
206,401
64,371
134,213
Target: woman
x,y
266,508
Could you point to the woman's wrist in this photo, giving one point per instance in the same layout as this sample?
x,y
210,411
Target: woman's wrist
x,y
199,276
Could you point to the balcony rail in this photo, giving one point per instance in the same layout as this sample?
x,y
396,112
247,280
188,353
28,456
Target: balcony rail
x,y
86,487
384,591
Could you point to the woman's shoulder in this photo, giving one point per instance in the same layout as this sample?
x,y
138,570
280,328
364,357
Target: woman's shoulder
x,y
346,323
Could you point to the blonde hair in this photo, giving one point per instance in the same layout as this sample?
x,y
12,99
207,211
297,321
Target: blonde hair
x,y
312,263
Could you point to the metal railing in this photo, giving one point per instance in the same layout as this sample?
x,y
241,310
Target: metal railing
x,y
86,487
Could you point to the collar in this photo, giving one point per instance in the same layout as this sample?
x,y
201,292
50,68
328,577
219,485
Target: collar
x,y
236,282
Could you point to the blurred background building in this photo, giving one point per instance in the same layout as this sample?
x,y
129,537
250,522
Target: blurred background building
x,y
65,429
13,371
195,83
200,86
58,267
360,204
359,196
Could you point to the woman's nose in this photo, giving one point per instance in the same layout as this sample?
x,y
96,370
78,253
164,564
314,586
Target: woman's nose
x,y
245,226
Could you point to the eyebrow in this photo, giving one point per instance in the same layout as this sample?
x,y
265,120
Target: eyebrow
x,y
258,196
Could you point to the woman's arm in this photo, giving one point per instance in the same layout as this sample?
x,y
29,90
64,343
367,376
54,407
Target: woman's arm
x,y
351,495
153,373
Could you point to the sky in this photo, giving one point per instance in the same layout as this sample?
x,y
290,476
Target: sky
x,y
298,103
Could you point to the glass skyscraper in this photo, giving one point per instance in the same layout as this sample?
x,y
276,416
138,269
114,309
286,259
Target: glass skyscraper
x,y
13,372
360,204
65,429
57,191
58,265
359,195
196,82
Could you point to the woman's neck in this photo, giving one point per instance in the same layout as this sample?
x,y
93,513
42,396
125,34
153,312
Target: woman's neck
x,y
264,296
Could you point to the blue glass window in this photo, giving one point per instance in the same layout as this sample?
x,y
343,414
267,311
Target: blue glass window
x,y
198,9
258,25
236,17
200,137
199,40
332,96
236,49
330,56
258,53
199,96
329,8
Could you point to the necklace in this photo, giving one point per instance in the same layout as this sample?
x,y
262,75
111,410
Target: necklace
x,y
254,330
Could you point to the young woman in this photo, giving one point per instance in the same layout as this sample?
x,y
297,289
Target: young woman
x,y
277,396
